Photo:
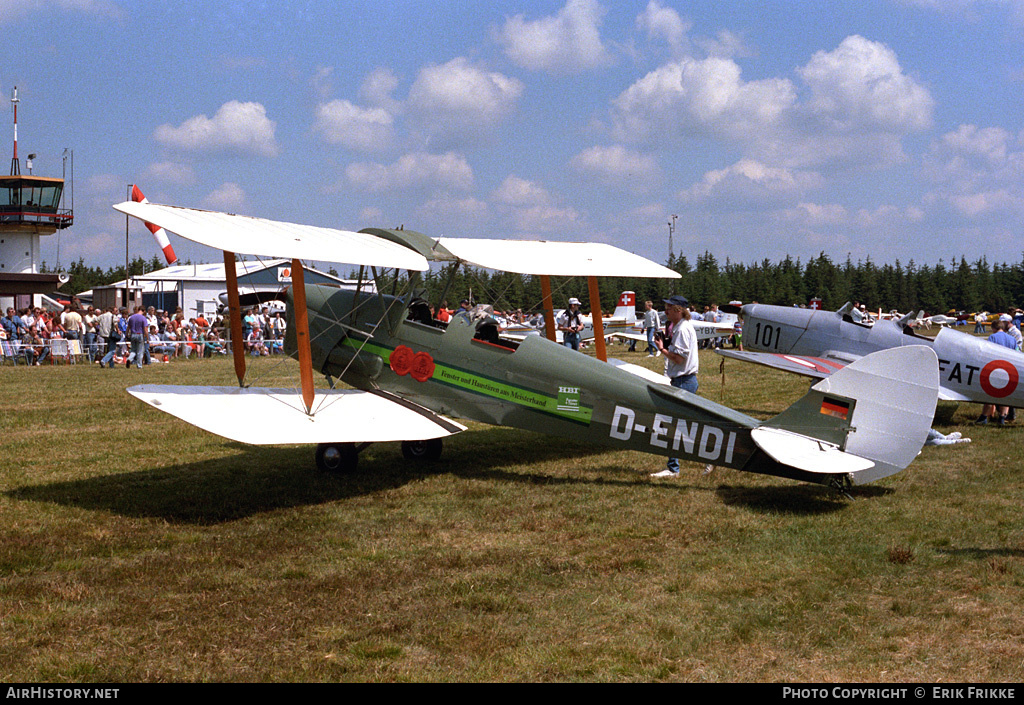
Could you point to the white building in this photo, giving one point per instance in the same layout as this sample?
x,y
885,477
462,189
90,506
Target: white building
x,y
201,288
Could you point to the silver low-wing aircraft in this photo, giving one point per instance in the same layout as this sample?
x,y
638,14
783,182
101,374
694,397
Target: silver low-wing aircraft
x,y
411,375
705,330
817,343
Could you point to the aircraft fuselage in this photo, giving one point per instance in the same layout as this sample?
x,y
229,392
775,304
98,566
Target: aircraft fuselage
x,y
970,368
532,384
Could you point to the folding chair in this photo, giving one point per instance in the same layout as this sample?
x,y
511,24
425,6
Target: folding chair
x,y
16,347
7,352
59,348
75,352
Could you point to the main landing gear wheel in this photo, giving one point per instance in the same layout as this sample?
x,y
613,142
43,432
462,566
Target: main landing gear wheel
x,y
337,457
422,450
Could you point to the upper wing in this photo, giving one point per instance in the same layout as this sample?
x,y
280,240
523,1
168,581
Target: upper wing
x,y
271,238
262,416
806,365
554,258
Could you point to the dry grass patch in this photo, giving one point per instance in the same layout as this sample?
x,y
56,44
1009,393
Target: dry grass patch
x,y
146,550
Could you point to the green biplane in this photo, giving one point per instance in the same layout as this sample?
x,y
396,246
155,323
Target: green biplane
x,y
412,376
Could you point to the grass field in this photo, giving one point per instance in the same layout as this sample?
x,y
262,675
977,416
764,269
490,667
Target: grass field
x,y
136,548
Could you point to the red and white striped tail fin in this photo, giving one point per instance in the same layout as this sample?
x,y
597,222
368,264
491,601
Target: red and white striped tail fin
x,y
158,233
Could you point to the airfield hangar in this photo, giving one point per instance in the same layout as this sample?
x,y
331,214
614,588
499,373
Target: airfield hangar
x,y
202,288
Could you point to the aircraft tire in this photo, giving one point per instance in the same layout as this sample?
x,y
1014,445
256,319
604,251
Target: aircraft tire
x,y
337,457
422,450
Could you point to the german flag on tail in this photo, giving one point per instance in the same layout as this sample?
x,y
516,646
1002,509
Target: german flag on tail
x,y
835,407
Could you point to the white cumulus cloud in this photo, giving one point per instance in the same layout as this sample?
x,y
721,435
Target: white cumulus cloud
x,y
413,171
447,211
978,171
751,181
238,128
817,214
457,103
170,172
566,42
516,191
700,97
855,107
378,88
364,129
546,219
229,196
12,10
861,86
664,24
533,210
618,165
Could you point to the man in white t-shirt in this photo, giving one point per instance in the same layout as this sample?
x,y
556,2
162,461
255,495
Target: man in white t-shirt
x,y
681,362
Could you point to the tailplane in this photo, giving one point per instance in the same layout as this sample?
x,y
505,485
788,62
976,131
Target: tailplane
x,y
867,421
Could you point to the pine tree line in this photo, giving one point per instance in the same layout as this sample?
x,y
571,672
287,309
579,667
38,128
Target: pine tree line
x,y
938,288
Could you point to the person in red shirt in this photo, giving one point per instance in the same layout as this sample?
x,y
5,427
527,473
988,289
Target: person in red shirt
x,y
443,314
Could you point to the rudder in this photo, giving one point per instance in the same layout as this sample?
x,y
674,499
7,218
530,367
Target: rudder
x,y
879,408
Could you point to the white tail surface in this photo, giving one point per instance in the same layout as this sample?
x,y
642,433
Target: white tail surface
x,y
625,306
895,391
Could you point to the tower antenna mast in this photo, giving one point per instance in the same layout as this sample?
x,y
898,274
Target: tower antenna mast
x,y
15,164
671,230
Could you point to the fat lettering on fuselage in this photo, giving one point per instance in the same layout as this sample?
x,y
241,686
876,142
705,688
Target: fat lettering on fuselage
x,y
997,378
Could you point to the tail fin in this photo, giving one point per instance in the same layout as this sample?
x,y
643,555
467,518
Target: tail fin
x,y
626,306
868,420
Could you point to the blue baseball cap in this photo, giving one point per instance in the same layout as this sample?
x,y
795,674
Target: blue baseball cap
x,y
676,300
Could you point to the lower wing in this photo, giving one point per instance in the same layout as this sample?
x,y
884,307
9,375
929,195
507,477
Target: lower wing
x,y
262,416
816,367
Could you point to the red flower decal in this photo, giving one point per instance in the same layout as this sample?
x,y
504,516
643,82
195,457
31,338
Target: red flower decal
x,y
401,360
422,366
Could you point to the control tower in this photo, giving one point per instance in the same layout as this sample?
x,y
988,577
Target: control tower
x,y
30,207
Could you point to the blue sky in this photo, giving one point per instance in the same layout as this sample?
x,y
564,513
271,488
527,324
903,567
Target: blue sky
x,y
883,129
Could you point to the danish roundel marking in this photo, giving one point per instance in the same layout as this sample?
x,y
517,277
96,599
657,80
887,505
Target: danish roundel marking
x,y
986,379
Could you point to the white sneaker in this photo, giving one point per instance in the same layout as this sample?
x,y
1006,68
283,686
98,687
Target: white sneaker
x,y
665,473
708,469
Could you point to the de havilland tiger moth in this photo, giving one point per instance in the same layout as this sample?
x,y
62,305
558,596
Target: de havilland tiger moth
x,y
412,376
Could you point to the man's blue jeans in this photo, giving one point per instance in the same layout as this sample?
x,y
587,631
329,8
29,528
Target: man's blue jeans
x,y
689,384
137,342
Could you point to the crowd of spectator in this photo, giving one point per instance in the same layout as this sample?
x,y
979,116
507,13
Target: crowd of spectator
x,y
112,336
